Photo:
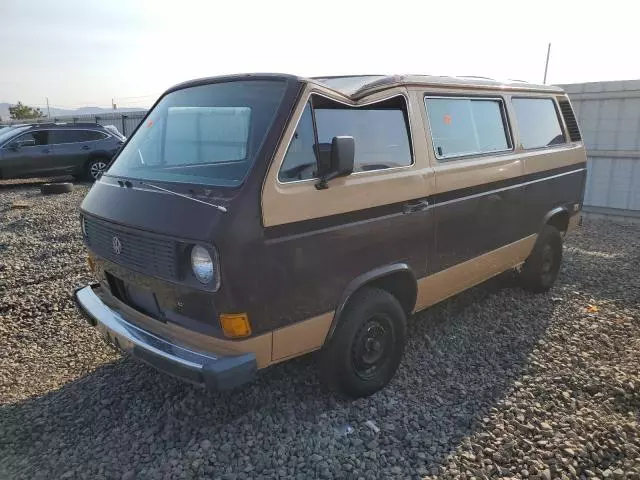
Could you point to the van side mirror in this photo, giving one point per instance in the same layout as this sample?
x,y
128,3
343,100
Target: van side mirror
x,y
343,150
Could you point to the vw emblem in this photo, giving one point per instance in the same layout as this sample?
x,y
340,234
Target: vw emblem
x,y
116,245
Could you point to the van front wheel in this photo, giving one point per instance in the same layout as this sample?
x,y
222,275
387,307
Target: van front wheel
x,y
541,268
365,350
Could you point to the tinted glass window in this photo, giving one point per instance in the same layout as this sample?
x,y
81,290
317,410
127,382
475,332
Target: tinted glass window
x,y
67,136
300,161
538,122
464,126
207,134
92,135
11,133
381,135
41,137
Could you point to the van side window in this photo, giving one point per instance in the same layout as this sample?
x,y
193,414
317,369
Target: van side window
x,y
300,161
467,126
380,131
538,122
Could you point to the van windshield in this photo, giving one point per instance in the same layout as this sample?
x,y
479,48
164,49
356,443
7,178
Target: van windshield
x,y
207,134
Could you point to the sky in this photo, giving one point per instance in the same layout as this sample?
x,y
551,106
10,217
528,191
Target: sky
x,y
88,52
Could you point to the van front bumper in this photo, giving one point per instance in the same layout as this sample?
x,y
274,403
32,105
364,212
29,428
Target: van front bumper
x,y
207,369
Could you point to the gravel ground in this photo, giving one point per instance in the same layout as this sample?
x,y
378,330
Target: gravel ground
x,y
496,382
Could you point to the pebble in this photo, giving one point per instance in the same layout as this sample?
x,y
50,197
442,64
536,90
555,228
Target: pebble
x,y
494,382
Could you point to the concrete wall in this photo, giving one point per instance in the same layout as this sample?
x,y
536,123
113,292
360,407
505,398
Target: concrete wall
x,y
609,118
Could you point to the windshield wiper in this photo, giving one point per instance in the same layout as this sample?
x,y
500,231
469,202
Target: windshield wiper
x,y
219,207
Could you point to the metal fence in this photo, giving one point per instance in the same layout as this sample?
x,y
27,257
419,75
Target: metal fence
x,y
609,118
125,122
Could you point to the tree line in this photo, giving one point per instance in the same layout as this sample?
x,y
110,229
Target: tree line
x,y
21,111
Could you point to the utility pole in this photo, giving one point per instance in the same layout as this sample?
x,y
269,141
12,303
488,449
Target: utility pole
x,y
546,65
48,111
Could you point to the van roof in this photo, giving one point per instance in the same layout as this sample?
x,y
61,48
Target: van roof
x,y
358,86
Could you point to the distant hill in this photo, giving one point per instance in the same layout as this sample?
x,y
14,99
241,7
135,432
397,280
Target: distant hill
x,y
58,112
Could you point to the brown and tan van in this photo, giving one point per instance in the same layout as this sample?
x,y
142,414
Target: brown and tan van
x,y
251,219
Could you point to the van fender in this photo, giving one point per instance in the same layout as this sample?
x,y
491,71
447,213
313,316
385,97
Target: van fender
x,y
558,217
372,277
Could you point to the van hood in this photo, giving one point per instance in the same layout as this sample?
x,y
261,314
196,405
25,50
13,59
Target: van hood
x,y
139,205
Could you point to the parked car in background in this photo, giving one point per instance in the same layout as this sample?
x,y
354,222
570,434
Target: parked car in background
x,y
80,149
115,131
6,128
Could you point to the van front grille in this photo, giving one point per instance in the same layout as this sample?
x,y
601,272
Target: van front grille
x,y
142,252
570,121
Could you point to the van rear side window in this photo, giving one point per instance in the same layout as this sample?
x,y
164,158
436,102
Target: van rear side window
x,y
467,126
538,122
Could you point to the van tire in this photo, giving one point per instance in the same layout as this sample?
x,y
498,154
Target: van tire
x,y
54,188
367,346
541,268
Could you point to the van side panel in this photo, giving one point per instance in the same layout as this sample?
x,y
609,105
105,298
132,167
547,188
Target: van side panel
x,y
446,283
317,241
487,201
561,184
311,263
483,217
475,219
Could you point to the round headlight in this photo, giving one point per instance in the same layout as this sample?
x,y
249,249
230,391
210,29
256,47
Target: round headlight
x,y
202,264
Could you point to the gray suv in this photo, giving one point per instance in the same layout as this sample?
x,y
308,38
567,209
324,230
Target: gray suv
x,y
80,149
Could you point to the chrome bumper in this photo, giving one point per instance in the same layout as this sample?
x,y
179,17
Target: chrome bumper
x,y
213,371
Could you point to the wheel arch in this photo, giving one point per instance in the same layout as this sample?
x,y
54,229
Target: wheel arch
x,y
558,217
98,154
397,279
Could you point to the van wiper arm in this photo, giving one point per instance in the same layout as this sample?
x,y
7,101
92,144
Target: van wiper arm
x,y
219,207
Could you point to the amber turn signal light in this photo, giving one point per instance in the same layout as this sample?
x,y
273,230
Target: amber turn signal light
x,y
235,325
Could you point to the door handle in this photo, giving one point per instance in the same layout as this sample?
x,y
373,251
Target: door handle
x,y
86,147
415,206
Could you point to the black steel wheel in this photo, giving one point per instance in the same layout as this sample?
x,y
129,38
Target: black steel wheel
x,y
367,346
372,346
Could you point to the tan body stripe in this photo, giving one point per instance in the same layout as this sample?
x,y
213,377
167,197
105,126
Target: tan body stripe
x,y
301,337
453,280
